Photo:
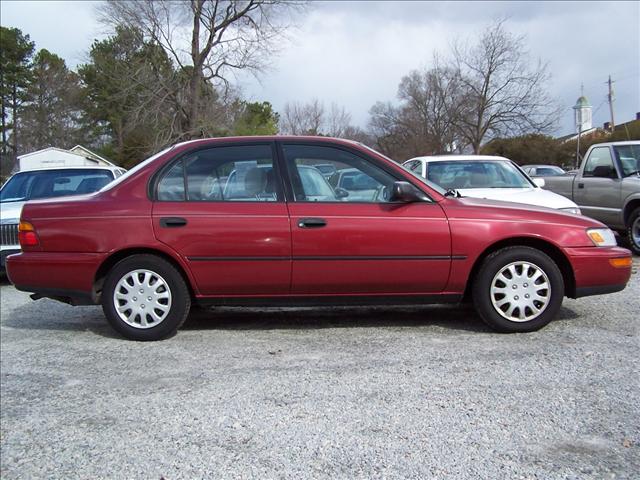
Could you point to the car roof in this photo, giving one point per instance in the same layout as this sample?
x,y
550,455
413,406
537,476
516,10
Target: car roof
x,y
448,158
74,167
607,144
269,138
541,166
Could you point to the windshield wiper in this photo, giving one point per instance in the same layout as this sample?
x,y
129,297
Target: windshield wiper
x,y
452,192
635,172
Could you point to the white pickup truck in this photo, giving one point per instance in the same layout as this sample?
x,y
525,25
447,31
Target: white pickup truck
x,y
44,183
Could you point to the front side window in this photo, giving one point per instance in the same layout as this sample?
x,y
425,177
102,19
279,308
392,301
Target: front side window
x,y
236,173
354,179
599,163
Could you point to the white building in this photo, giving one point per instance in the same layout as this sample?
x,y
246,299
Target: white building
x,y
53,157
582,110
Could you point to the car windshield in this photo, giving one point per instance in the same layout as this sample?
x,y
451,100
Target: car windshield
x,y
137,168
35,184
460,174
549,171
629,156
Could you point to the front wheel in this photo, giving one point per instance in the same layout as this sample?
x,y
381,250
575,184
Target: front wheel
x,y
633,231
518,289
145,298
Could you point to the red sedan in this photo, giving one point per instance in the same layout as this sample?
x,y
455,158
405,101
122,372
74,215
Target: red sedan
x,y
248,221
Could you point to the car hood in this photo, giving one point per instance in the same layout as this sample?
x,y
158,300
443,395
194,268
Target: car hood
x,y
476,208
531,196
10,212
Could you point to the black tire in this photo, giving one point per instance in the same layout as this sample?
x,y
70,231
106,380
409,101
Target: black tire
x,y
493,265
177,308
633,230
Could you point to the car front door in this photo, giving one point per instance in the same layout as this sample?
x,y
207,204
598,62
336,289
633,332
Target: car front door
x,y
222,208
354,240
598,191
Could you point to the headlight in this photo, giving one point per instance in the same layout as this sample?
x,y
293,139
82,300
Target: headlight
x,y
602,237
574,210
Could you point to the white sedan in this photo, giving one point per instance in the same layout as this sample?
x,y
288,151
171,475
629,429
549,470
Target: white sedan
x,y
483,176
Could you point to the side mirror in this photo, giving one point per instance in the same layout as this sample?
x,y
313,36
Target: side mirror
x,y
406,193
604,171
539,182
341,193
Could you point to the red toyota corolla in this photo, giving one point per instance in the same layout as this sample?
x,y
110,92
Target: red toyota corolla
x,y
291,220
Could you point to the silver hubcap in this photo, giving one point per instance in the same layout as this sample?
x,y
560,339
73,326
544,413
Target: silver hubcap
x,y
520,291
635,232
142,298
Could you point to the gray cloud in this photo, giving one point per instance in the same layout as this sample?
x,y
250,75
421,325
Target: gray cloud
x,y
355,53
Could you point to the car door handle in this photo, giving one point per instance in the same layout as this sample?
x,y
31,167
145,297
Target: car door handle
x,y
172,222
581,185
312,222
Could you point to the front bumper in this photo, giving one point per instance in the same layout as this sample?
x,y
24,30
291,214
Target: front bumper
x,y
594,274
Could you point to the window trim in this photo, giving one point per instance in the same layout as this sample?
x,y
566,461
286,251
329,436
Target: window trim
x,y
287,177
154,181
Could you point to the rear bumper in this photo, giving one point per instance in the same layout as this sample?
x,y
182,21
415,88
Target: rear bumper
x,y
4,254
53,274
593,273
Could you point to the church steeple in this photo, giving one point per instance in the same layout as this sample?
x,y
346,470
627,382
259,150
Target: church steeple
x,y
582,110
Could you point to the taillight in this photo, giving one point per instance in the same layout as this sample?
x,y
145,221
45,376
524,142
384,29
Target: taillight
x,y
27,235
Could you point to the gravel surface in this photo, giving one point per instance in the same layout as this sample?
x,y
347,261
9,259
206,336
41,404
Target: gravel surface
x,y
412,392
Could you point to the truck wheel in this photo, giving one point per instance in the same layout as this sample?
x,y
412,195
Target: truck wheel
x,y
518,289
633,231
145,298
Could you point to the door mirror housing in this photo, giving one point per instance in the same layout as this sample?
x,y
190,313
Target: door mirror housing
x,y
539,182
341,192
406,193
604,171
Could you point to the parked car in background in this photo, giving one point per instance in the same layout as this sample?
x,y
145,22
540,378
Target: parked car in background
x,y
490,177
607,187
543,170
327,169
145,257
44,183
355,184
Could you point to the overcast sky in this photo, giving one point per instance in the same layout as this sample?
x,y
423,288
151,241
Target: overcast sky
x,y
355,53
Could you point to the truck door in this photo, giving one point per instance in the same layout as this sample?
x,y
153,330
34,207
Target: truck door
x,y
597,191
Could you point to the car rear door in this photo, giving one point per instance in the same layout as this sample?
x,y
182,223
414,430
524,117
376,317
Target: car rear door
x,y
361,243
222,208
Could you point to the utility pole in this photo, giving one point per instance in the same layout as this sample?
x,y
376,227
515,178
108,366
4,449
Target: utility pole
x,y
610,98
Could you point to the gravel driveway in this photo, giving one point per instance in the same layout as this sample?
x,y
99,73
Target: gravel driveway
x,y
413,392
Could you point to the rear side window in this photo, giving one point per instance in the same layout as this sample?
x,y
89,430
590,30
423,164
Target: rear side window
x,y
237,173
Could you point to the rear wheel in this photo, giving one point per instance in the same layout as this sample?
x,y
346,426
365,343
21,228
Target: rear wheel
x,y
145,298
518,289
633,231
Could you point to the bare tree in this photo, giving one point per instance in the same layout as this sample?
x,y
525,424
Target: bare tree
x,y
431,107
208,40
303,119
504,94
338,121
424,121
